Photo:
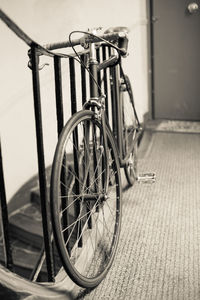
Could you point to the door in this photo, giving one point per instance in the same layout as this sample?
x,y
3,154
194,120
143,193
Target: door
x,y
176,52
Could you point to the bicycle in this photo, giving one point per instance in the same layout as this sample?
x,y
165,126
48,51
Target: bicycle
x,y
85,190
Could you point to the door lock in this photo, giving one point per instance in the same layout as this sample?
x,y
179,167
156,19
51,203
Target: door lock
x,y
193,7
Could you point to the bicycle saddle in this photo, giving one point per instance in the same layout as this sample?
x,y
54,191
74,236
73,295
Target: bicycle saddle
x,y
117,29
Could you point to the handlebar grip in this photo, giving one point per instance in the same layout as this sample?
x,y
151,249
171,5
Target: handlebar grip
x,y
108,62
60,45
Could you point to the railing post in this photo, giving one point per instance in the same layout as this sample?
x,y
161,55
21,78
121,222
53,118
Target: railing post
x,y
58,90
99,73
105,81
4,218
76,150
41,166
83,82
72,86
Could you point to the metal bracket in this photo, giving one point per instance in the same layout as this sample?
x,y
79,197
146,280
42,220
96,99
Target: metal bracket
x,y
40,67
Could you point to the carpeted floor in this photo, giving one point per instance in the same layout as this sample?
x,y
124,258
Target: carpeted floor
x,y
159,250
174,126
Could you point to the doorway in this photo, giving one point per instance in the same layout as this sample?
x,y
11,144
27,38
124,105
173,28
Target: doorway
x,y
175,37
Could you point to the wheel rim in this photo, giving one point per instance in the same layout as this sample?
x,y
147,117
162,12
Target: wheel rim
x,y
88,225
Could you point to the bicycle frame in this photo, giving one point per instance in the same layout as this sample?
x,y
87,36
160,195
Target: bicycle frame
x,y
94,97
116,99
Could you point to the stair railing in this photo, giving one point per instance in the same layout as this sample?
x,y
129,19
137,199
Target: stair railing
x,y
35,51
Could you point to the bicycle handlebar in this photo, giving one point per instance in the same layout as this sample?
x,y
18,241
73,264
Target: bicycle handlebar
x,y
121,37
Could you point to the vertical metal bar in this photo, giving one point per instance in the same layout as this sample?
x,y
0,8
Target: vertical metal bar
x,y
99,73
41,166
94,90
77,183
72,86
105,81
83,82
60,124
64,192
116,107
109,51
113,107
151,7
96,164
75,144
58,90
86,159
4,215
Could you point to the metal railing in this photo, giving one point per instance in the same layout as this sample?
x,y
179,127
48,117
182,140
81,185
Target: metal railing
x,y
103,80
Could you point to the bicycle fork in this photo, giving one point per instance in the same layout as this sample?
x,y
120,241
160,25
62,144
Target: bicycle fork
x,y
98,107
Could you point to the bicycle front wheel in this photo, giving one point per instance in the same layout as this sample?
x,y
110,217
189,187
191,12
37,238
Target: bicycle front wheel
x,y
130,127
86,199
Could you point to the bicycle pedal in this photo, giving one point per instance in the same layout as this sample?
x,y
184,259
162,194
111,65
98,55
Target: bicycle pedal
x,y
146,178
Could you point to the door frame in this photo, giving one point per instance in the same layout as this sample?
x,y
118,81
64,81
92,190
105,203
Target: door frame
x,y
150,52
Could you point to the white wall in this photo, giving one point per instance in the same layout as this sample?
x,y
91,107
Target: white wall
x,y
48,21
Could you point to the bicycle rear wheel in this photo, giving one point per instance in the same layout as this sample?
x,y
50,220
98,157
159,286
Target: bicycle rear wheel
x,y
85,207
130,127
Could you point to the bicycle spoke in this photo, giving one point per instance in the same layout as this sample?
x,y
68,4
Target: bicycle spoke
x,y
90,213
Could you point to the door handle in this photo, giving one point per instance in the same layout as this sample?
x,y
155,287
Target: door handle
x,y
193,7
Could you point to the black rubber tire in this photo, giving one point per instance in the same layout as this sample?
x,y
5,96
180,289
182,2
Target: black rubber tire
x,y
129,132
106,245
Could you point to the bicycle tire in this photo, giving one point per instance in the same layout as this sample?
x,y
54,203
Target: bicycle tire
x,y
92,232
129,127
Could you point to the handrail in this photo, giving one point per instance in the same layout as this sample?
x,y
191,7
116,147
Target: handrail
x,y
30,42
18,31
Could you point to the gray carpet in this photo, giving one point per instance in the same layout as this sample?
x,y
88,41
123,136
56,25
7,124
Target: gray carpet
x,y
159,250
174,126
